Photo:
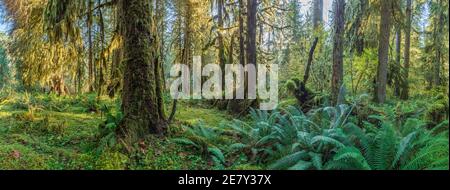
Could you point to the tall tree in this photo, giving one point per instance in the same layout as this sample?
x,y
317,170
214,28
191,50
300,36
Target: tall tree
x,y
317,23
240,107
140,95
220,24
90,47
338,49
438,33
252,8
357,27
405,84
383,51
102,58
220,40
397,66
317,13
241,33
236,106
116,74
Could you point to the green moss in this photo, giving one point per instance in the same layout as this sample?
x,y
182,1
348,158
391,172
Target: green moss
x,y
288,102
60,133
112,161
247,167
170,157
193,115
291,85
19,157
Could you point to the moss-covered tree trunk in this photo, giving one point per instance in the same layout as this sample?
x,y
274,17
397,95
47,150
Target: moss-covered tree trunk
x,y
140,98
383,51
252,10
397,66
338,50
405,84
317,13
91,53
235,106
438,41
102,59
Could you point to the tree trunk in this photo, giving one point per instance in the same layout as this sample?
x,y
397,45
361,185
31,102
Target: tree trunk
x,y
115,81
310,60
161,4
359,35
187,44
405,85
140,96
438,45
91,53
102,58
397,66
252,7
222,60
240,107
235,106
383,51
241,34
317,22
338,62
317,13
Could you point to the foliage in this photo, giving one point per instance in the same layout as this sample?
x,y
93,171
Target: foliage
x,y
387,148
60,57
71,138
206,140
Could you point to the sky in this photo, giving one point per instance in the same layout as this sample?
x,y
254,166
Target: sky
x,y
306,6
3,27
3,24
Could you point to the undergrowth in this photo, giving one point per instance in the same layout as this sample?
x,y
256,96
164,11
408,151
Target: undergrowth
x,y
39,131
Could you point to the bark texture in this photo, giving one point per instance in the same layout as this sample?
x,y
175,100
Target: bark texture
x,y
338,49
405,85
383,51
140,98
317,13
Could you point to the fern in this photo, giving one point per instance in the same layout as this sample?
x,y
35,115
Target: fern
x,y
301,165
404,148
288,161
185,141
349,158
218,154
327,140
206,140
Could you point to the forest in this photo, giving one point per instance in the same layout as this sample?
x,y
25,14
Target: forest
x,y
92,85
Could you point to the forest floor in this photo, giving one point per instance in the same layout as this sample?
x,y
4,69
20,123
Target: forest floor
x,y
50,132
41,131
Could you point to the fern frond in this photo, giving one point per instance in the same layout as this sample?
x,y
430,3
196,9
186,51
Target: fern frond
x,y
352,155
316,160
185,141
288,161
216,152
327,140
301,165
406,144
